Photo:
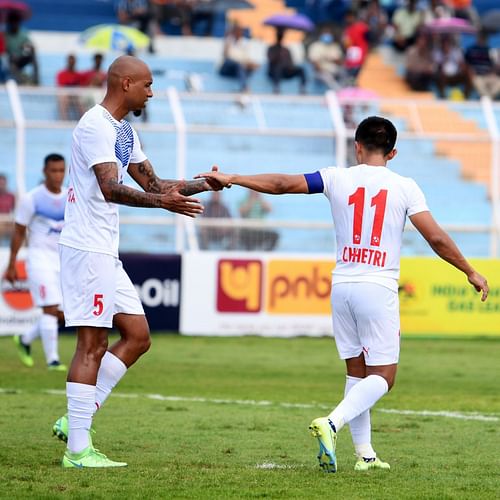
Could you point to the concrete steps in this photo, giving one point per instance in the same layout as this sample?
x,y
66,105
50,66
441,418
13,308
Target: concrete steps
x,y
430,117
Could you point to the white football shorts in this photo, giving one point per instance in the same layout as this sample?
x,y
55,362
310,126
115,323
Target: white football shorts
x,y
95,287
44,280
366,320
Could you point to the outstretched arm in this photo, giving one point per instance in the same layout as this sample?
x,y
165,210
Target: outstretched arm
x,y
444,246
144,174
169,198
265,183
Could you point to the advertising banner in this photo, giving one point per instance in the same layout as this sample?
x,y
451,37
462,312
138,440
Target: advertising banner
x,y
237,294
283,295
157,279
436,298
17,312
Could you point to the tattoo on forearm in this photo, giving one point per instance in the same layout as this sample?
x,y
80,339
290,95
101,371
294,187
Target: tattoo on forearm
x,y
107,177
152,184
125,195
193,187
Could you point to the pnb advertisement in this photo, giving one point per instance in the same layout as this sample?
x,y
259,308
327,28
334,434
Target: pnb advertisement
x,y
262,294
282,295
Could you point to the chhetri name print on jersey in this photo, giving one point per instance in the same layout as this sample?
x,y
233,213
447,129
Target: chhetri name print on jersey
x,y
364,256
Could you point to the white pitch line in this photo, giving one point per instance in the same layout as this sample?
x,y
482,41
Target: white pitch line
x,y
448,414
492,417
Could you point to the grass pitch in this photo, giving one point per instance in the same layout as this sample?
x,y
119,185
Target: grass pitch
x,y
228,417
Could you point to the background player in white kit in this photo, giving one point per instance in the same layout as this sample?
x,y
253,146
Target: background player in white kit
x,y
369,205
40,218
97,292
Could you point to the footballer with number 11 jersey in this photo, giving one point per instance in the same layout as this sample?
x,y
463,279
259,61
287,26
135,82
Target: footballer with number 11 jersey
x,y
369,206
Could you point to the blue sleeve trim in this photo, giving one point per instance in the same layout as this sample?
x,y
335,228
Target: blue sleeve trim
x,y
315,182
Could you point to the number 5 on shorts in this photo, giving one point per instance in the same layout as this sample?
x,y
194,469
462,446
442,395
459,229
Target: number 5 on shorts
x,y
98,304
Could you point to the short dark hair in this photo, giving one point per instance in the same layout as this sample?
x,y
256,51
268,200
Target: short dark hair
x,y
52,157
376,134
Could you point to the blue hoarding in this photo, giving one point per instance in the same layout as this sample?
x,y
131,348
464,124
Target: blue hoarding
x,y
157,279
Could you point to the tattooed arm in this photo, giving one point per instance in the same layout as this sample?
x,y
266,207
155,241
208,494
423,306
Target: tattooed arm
x,y
144,174
171,199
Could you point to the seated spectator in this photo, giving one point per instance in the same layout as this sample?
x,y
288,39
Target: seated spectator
x,y
406,22
451,67
136,13
70,106
420,65
327,58
376,19
485,77
174,12
203,17
237,62
23,65
254,206
436,9
94,77
281,65
7,204
217,237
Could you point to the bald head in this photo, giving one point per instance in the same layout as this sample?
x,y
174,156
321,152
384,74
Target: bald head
x,y
129,86
126,67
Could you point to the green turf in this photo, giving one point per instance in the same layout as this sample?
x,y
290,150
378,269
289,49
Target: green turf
x,y
197,450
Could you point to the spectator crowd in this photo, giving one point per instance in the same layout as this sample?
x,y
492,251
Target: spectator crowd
x,y
424,35
335,52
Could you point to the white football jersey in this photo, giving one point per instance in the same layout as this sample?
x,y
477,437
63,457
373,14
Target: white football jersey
x,y
42,212
92,223
369,207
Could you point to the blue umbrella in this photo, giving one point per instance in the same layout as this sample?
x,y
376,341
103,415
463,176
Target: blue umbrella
x,y
290,21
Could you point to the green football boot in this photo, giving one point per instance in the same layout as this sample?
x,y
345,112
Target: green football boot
x,y
60,429
88,458
322,429
24,351
364,464
57,366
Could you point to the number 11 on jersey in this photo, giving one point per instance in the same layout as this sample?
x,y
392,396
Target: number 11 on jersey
x,y
379,201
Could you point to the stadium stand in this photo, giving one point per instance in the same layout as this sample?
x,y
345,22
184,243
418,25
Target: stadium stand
x,y
454,176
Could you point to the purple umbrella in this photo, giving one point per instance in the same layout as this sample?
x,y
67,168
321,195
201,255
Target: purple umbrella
x,y
290,21
449,26
20,8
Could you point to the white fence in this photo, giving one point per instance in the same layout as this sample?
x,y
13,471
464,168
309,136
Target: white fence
x,y
175,120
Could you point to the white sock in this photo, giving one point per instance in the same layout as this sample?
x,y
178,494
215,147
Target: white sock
x,y
29,336
359,399
112,369
48,332
81,405
360,426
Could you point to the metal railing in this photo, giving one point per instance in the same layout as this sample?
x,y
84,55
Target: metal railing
x,y
257,107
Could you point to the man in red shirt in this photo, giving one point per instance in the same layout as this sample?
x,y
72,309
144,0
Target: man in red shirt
x,y
70,106
356,45
356,31
94,77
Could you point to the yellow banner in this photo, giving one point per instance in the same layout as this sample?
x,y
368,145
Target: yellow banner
x,y
436,298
